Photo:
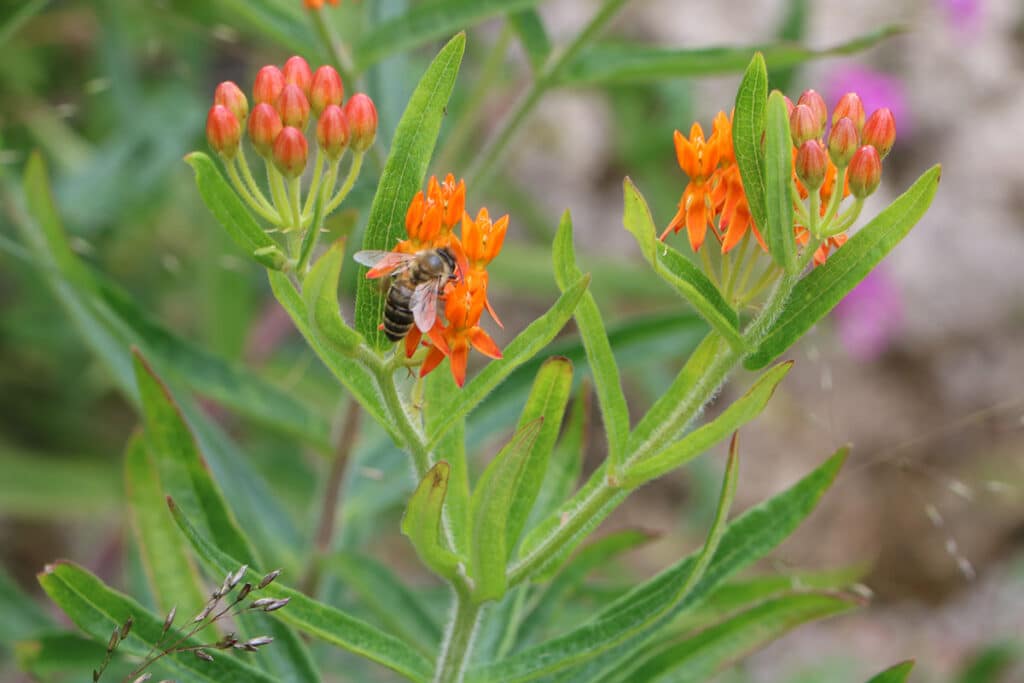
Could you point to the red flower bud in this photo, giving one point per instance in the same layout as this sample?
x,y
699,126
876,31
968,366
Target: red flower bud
x,y
842,142
223,131
865,172
803,125
362,121
789,105
880,131
326,89
296,72
293,107
811,163
332,131
291,151
268,86
264,127
231,96
813,100
850,106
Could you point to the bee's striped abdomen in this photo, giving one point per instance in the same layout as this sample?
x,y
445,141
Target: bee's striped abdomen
x,y
398,317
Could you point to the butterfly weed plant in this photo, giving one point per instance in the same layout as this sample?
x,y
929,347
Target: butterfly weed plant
x,y
771,196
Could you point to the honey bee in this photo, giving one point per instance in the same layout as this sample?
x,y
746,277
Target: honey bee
x,y
417,281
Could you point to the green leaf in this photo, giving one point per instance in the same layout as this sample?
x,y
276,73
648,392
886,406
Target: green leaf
x,y
741,411
533,36
612,628
664,421
59,652
779,183
490,511
825,286
226,206
320,296
546,402
173,577
631,64
749,537
747,128
428,21
595,555
321,621
566,462
403,175
677,270
894,674
352,375
184,475
183,472
602,364
525,346
112,322
98,610
399,609
699,657
422,521
440,391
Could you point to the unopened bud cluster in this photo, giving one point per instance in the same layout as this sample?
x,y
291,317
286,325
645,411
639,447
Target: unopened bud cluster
x,y
295,110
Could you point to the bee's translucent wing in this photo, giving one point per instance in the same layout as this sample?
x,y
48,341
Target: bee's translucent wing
x,y
383,262
423,303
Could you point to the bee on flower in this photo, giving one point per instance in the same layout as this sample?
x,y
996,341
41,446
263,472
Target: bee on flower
x,y
433,266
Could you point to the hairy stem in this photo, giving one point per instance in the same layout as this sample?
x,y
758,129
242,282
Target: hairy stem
x,y
458,640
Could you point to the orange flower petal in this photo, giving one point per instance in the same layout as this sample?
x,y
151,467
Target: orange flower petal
x,y
432,360
483,343
458,358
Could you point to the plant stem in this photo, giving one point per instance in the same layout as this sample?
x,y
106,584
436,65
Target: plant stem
x,y
314,185
247,196
415,443
606,494
257,193
486,161
278,192
458,640
346,187
332,494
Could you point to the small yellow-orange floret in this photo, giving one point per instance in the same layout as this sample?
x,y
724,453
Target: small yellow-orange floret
x,y
698,158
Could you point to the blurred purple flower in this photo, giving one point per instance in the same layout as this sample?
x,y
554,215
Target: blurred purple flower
x,y
869,318
876,89
962,15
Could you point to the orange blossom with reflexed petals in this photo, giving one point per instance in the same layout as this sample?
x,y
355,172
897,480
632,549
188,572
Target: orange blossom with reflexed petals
x,y
698,158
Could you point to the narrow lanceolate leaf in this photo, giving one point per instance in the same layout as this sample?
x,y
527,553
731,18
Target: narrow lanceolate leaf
x,y
743,410
403,175
546,402
97,610
825,286
320,295
698,658
440,391
490,509
226,206
111,322
610,629
675,269
525,346
166,557
894,674
305,614
422,521
533,37
631,64
182,471
778,166
352,375
747,128
602,363
185,475
566,462
428,21
397,607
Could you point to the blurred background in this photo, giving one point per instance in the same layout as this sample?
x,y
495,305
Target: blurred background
x,y
919,368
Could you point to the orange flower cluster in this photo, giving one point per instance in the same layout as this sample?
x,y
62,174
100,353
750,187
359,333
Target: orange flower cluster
x,y
430,223
714,196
